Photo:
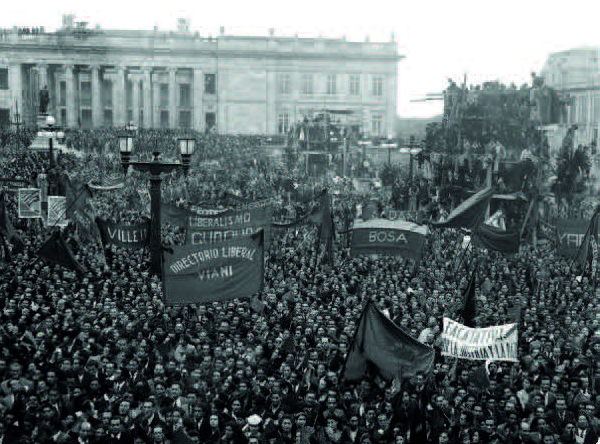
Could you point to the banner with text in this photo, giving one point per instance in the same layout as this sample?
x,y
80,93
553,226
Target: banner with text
x,y
30,203
498,343
57,211
127,236
12,185
382,236
570,233
218,271
225,225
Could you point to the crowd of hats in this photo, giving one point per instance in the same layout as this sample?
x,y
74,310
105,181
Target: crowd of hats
x,y
100,358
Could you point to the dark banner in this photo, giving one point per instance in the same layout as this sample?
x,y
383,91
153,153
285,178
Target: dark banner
x,y
226,225
127,236
219,271
496,239
570,233
13,185
382,236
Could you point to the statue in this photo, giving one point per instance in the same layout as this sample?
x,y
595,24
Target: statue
x,y
44,100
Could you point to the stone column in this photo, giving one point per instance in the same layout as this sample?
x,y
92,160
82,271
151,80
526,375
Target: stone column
x,y
15,81
97,120
135,96
147,76
173,98
198,119
43,73
271,116
71,111
119,98
156,101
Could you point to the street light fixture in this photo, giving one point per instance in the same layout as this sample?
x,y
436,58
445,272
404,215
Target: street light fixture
x,y
126,146
155,168
186,148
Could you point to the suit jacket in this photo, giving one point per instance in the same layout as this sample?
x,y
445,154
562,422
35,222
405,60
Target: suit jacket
x,y
560,420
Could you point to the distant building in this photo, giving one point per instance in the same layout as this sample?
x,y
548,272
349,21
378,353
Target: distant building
x,y
577,73
179,79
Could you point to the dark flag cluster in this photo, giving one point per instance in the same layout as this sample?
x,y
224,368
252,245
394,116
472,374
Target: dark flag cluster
x,y
470,214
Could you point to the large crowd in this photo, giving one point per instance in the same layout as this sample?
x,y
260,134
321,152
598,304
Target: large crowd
x,y
100,358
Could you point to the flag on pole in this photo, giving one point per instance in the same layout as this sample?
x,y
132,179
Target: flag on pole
x,y
56,251
469,310
380,343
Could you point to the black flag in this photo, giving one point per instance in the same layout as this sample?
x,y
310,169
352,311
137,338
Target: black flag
x,y
56,251
468,310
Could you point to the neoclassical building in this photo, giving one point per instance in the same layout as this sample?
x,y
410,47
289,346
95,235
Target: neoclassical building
x,y
161,79
577,72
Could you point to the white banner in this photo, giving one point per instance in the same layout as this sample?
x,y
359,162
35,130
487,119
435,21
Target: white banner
x,y
498,343
57,211
30,203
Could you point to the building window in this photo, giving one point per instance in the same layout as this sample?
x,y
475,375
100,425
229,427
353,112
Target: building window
x,y
210,121
141,95
164,119
283,123
308,81
86,118
354,84
377,125
185,119
185,95
129,115
107,94
108,120
4,78
86,94
164,95
210,83
63,94
63,117
284,84
378,86
331,83
4,118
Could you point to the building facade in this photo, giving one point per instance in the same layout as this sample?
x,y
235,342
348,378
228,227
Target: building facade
x,y
577,73
156,79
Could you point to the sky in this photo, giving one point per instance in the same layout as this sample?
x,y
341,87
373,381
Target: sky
x,y
438,39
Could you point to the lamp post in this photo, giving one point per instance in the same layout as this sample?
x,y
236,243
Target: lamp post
x,y
155,168
186,148
50,121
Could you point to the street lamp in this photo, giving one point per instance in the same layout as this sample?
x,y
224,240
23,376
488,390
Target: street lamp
x,y
126,146
186,148
155,168
50,121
